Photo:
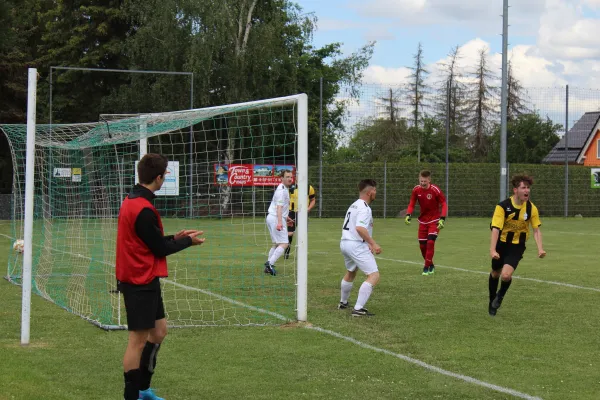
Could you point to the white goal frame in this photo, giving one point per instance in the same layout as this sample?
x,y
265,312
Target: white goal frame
x,y
301,100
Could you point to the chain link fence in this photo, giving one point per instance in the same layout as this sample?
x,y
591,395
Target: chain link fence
x,y
455,134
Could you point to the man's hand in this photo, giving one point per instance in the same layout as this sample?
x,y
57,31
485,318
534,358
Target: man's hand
x,y
407,219
195,239
279,227
541,253
290,222
494,254
375,249
441,224
184,233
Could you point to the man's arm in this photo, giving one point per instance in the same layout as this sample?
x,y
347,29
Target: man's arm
x,y
146,227
493,241
537,235
312,203
412,203
364,234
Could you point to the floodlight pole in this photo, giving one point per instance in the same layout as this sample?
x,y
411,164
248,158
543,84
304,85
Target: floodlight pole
x,y
504,101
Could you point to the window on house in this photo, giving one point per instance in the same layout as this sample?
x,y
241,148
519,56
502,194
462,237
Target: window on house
x,y
598,149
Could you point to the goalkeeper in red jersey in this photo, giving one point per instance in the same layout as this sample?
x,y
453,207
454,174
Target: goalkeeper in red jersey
x,y
431,220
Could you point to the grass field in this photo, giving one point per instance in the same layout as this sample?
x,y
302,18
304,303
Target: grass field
x,y
431,337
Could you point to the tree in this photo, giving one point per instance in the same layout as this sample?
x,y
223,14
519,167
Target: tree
x,y
389,103
479,107
529,139
377,140
515,105
416,88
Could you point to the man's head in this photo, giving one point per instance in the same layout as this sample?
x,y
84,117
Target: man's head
x,y
425,179
367,189
286,177
152,169
521,186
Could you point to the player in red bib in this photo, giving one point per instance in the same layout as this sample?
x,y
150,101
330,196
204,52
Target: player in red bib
x,y
431,199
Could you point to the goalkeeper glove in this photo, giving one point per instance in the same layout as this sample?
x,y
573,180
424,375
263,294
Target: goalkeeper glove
x,y
441,223
407,219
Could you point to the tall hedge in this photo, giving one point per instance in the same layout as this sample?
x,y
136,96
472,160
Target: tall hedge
x,y
473,189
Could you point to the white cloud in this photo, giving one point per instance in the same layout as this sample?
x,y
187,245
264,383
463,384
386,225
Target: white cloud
x,y
480,14
326,24
378,34
566,33
386,76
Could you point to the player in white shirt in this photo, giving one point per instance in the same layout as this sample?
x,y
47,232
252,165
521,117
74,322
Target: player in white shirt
x,y
277,220
358,248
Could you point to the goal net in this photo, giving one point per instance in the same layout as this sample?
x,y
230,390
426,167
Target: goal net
x,y
221,176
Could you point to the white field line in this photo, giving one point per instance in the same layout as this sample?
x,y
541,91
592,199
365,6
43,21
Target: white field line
x,y
569,285
403,357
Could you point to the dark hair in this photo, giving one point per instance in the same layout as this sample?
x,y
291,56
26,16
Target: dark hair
x,y
517,179
283,172
366,183
151,166
425,173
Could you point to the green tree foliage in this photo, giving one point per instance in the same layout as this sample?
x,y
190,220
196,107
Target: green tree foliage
x,y
529,139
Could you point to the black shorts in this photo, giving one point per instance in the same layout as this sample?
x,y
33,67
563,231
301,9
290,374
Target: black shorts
x,y
509,253
143,304
292,216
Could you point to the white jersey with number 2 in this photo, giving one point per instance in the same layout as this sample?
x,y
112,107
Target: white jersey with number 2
x,y
359,214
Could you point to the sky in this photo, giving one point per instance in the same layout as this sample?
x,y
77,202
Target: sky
x,y
551,42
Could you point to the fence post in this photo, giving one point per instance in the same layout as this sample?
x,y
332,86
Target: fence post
x,y
567,153
447,138
384,189
320,146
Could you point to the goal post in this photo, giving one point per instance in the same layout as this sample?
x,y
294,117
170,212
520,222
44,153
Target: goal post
x,y
223,166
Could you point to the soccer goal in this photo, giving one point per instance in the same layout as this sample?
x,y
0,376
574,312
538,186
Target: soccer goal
x,y
69,181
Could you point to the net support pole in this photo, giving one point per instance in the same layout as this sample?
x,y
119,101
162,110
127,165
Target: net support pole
x,y
29,182
302,226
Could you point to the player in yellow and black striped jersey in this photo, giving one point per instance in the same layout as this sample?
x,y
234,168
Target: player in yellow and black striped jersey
x,y
293,209
510,231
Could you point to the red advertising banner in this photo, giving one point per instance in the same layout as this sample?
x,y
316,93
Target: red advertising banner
x,y
249,174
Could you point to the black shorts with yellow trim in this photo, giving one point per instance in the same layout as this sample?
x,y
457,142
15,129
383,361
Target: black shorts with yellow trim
x,y
510,254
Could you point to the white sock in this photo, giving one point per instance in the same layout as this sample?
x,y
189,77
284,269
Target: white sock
x,y
346,288
276,254
363,295
271,252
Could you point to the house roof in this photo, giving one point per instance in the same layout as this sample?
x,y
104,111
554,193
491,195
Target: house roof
x,y
577,136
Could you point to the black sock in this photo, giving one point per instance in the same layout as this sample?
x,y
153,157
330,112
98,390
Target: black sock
x,y
148,363
290,240
493,285
504,287
132,384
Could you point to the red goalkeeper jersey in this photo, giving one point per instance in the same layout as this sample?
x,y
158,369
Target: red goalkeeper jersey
x,y
430,200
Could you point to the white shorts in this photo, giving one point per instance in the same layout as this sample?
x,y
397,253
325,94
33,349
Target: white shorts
x,y
278,237
357,254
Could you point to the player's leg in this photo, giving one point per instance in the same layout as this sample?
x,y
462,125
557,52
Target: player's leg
x,y
150,352
432,234
273,232
141,307
513,255
291,229
422,236
366,263
494,279
281,239
348,279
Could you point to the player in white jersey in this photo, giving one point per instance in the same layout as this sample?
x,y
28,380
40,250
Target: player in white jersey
x,y
358,248
277,220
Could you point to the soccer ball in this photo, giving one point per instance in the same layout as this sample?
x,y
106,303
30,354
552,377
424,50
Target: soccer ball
x,y
19,245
